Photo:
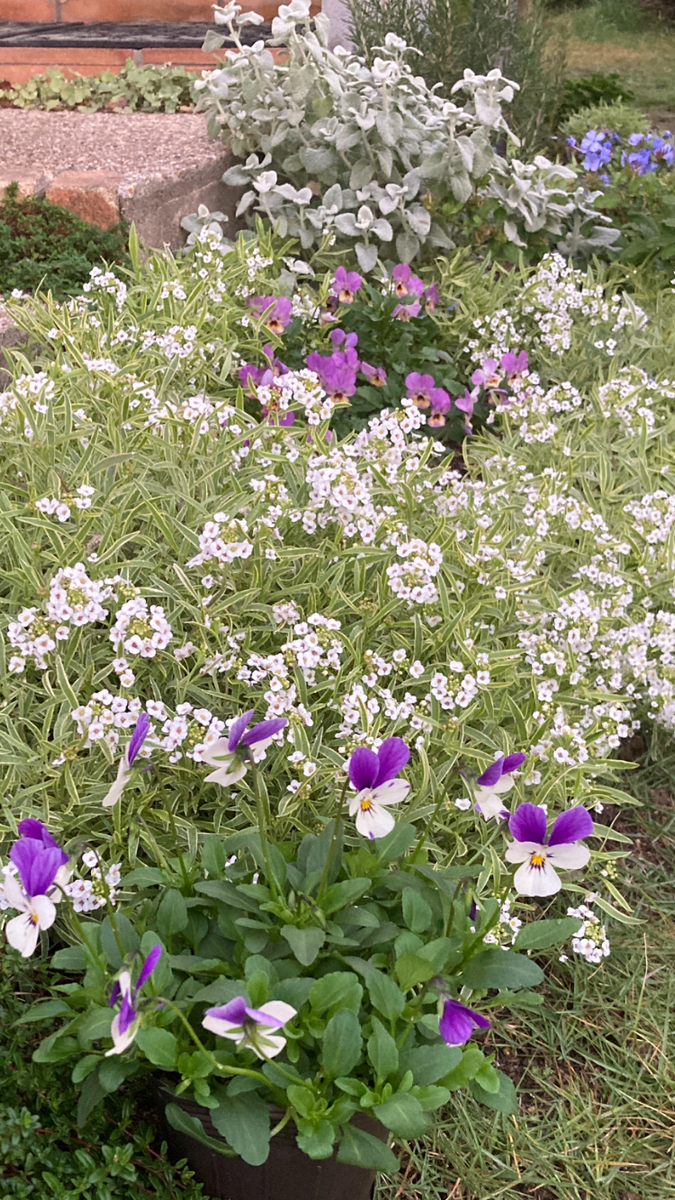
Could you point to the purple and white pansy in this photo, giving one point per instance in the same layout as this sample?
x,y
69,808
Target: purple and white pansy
x,y
255,1029
126,1022
458,1022
541,855
373,774
127,760
230,755
494,783
42,870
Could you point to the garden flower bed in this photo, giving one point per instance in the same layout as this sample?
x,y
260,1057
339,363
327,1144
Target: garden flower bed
x,y
309,724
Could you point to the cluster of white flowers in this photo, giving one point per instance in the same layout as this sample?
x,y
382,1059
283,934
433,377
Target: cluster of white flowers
x,y
141,629
74,600
221,541
505,932
296,389
105,715
559,291
591,939
52,506
107,281
629,397
414,578
89,894
38,389
314,646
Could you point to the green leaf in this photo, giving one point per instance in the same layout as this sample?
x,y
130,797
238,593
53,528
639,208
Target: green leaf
x,y
416,911
539,935
317,1141
504,1100
71,958
501,969
471,1063
213,855
431,1097
395,844
385,995
412,969
128,936
305,943
430,1063
361,1149
382,1051
339,989
339,895
172,914
92,1093
45,1010
302,1098
488,1079
158,1045
403,1114
244,1121
192,1126
341,1048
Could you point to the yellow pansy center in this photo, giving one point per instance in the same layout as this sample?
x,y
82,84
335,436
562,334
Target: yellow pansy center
x,y
366,802
537,860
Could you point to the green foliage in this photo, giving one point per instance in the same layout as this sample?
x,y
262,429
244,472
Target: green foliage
x,y
43,245
615,116
481,34
41,1150
591,91
136,88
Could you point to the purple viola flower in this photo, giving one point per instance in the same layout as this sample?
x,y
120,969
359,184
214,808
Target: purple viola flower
x,y
337,374
276,312
251,376
405,283
42,872
373,774
254,1029
465,404
440,403
540,855
420,388
458,1022
487,375
339,338
346,284
125,1023
430,297
406,312
230,755
375,375
493,783
127,760
514,365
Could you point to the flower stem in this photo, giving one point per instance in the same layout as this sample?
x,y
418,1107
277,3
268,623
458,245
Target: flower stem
x,y
333,843
264,815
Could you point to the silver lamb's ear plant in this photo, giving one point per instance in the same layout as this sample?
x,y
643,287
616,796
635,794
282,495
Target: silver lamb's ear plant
x,y
337,147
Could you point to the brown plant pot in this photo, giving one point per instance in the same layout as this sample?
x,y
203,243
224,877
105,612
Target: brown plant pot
x,y
288,1174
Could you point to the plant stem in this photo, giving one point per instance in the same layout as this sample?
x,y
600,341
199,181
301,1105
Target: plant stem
x,y
263,815
212,1058
331,848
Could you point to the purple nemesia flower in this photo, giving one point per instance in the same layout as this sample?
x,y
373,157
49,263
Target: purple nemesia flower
x,y
430,297
346,284
138,737
125,1023
375,375
230,755
255,1029
276,311
373,774
405,283
458,1022
513,365
406,312
540,855
42,870
493,783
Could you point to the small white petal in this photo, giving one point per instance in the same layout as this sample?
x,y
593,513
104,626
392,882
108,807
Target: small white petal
x,y
279,1009
521,851
569,856
225,777
14,894
222,1028
272,1044
22,934
43,911
376,822
113,795
536,881
391,792
121,1040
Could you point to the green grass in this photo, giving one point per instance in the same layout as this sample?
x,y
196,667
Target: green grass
x,y
594,1067
618,35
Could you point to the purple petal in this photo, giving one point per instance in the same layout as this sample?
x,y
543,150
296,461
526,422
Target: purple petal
x,y
36,864
115,993
458,1022
265,729
237,728
149,966
570,826
528,824
512,762
138,737
32,828
393,755
263,1018
234,1011
127,1014
493,774
364,768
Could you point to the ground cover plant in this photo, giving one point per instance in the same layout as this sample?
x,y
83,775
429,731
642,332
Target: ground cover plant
x,y
136,87
45,246
349,589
